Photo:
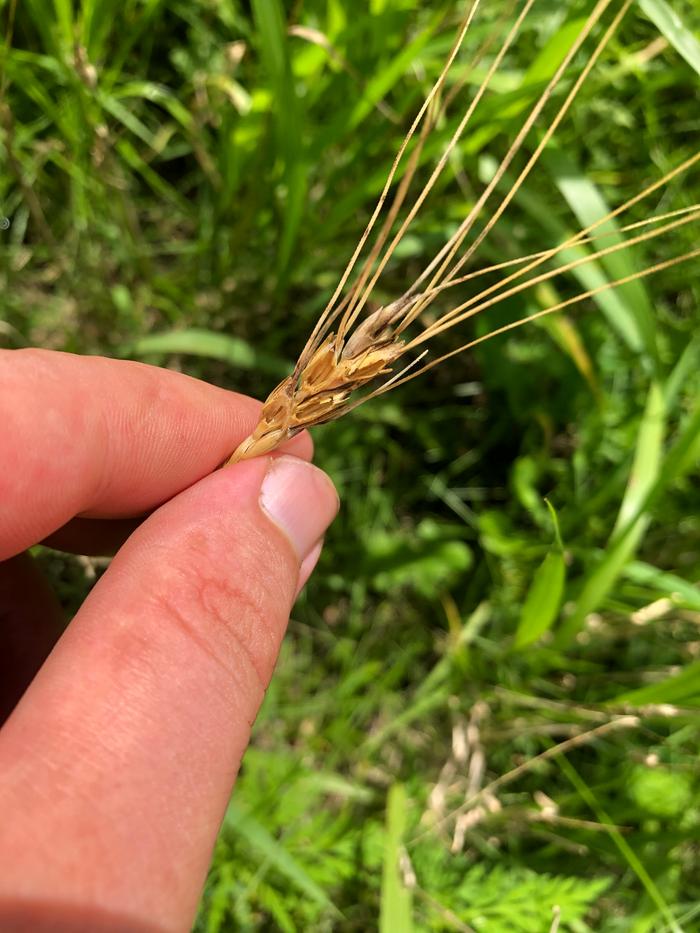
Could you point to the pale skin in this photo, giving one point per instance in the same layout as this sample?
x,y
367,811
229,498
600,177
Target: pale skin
x,y
120,749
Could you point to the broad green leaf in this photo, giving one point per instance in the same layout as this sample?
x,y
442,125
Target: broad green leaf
x,y
670,25
395,908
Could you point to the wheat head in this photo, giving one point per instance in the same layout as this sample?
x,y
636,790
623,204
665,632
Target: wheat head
x,y
349,349
319,390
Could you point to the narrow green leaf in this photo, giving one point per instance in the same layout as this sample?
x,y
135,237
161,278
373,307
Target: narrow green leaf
x,y
156,94
678,590
688,364
647,458
683,687
126,117
43,18
64,19
555,524
385,78
168,192
588,205
496,112
272,32
544,596
395,910
681,458
619,312
672,27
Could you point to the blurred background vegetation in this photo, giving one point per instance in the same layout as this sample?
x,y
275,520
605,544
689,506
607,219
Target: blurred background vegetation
x,y
485,715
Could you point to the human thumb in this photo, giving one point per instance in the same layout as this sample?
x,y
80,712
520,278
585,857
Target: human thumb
x,y
133,730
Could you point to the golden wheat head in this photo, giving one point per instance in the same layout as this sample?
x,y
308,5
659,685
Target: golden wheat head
x,y
349,349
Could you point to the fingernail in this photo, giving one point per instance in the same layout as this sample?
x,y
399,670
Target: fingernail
x,y
300,500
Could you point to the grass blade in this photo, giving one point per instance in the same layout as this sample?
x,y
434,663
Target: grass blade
x,y
272,34
395,915
618,307
672,27
678,590
647,459
679,460
545,594
386,78
588,204
625,849
495,115
64,19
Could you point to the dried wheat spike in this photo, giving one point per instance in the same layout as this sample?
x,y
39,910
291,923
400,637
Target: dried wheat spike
x,y
318,390
347,350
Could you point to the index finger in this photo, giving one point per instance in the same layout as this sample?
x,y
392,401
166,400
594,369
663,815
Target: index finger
x,y
85,435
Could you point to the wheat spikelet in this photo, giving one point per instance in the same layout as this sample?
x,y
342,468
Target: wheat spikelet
x,y
348,350
319,391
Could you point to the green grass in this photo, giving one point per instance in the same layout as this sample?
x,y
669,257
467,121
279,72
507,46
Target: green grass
x,y
517,558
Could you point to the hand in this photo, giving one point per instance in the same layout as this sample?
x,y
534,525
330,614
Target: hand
x,y
118,761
